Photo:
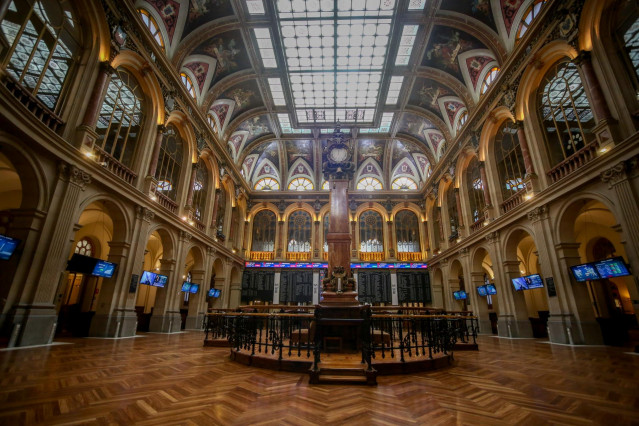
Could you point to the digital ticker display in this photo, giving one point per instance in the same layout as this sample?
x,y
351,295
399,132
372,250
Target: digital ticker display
x,y
322,265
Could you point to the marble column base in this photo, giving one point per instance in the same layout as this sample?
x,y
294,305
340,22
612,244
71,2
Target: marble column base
x,y
194,322
120,323
567,330
510,326
170,322
484,327
32,325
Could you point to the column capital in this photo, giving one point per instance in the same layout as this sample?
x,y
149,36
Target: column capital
x,y
74,175
538,214
185,236
105,66
583,57
145,214
492,237
161,128
615,174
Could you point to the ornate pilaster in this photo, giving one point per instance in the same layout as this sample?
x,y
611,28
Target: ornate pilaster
x,y
525,151
85,133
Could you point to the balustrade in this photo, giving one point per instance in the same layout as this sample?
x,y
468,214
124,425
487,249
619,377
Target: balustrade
x,y
166,202
371,256
574,162
262,255
409,256
479,223
513,201
33,104
298,256
114,166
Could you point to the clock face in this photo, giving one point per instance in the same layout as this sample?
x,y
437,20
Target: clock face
x,y
338,154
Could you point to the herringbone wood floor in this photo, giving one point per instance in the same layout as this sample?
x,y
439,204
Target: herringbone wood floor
x,y
172,379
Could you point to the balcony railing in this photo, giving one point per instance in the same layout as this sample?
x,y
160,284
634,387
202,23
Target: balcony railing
x,y
513,201
166,202
376,256
574,162
479,223
262,255
114,166
298,256
325,255
409,256
199,225
33,104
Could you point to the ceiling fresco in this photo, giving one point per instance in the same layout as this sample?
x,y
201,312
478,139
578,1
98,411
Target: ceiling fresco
x,y
248,54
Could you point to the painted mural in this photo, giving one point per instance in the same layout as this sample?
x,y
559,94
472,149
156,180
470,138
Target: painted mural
x,y
414,125
199,70
169,10
369,148
299,149
255,127
444,47
229,51
476,65
246,96
268,151
426,92
203,11
403,149
478,9
509,9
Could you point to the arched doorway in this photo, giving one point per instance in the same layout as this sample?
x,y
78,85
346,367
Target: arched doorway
x,y
527,311
592,227
485,303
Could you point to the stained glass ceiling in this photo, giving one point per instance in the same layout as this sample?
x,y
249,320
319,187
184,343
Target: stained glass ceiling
x,y
335,52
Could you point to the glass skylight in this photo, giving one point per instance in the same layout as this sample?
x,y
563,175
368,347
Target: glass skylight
x,y
384,125
285,124
406,44
265,44
335,52
255,7
416,4
275,84
394,89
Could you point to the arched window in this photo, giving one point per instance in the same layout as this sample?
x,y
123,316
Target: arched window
x,y
475,187
453,214
221,210
404,183
85,247
631,42
529,16
121,117
509,159
42,45
300,184
369,184
299,232
565,112
263,238
186,80
267,184
325,186
489,79
153,27
462,120
326,220
407,232
371,232
200,190
170,160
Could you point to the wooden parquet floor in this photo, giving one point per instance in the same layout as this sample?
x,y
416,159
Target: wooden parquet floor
x,y
172,379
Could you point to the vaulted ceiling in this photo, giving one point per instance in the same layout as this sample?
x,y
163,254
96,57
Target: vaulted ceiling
x,y
275,77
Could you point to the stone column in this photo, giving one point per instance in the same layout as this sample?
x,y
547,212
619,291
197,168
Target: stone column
x,y
516,322
195,316
36,313
316,239
316,287
618,179
354,248
277,280
391,244
484,181
479,303
460,216
525,151
161,321
214,215
155,156
246,238
189,196
280,232
86,135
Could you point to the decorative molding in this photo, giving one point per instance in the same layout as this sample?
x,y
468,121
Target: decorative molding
x,y
74,175
185,236
617,173
538,213
492,237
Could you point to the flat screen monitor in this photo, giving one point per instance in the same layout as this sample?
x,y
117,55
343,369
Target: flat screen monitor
x,y
481,290
214,292
160,280
585,272
520,284
194,288
147,278
490,289
186,286
460,295
81,264
104,269
8,245
534,281
610,268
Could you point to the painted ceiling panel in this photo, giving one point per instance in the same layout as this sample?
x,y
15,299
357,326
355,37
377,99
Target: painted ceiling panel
x,y
230,52
246,96
204,11
478,9
444,47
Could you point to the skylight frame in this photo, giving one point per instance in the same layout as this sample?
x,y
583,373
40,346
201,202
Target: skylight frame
x,y
265,47
355,53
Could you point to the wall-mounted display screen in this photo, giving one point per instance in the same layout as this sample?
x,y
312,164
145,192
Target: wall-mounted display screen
x,y
104,269
214,292
322,265
585,272
147,278
534,281
490,289
611,268
460,295
160,280
520,284
481,290
186,286
8,245
194,288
